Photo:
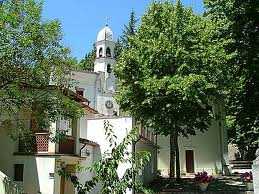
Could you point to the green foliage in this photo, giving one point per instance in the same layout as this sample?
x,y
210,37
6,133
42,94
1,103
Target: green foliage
x,y
173,64
171,67
88,62
59,136
242,20
35,66
105,170
128,32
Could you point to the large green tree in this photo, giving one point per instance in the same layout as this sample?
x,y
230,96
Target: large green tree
x,y
242,18
172,70
35,67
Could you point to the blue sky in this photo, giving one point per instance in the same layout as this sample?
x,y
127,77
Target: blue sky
x,y
82,19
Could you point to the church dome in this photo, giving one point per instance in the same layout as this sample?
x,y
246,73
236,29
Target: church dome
x,y
105,34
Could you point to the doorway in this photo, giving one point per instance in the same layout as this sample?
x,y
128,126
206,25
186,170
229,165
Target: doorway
x,y
66,186
189,156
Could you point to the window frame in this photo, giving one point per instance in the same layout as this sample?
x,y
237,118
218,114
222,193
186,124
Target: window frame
x,y
19,172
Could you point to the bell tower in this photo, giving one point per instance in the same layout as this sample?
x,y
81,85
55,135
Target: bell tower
x,y
103,65
105,56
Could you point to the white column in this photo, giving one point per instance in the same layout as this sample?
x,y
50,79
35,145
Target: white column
x,y
76,135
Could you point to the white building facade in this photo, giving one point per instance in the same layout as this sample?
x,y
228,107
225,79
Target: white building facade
x,y
206,151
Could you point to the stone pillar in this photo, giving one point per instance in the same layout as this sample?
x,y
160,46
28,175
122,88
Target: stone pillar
x,y
256,173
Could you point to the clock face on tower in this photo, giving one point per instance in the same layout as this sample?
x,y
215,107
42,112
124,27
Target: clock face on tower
x,y
109,104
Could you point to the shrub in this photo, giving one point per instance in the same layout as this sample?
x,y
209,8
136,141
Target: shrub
x,y
203,177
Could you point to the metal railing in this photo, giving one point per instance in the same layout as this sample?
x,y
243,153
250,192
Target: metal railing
x,y
35,143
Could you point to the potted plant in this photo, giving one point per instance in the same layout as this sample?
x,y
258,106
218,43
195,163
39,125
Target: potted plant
x,y
203,179
247,179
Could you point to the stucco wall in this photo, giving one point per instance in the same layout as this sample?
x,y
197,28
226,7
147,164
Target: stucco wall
x,y
207,149
90,82
121,127
96,133
86,175
83,127
36,174
45,166
96,130
7,148
7,145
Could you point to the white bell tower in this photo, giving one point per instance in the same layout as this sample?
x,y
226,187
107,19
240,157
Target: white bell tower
x,y
103,65
105,56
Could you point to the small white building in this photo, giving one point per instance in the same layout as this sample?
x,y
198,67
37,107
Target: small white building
x,y
34,164
206,151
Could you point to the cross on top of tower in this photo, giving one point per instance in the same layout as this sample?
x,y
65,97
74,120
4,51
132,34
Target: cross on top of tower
x,y
107,21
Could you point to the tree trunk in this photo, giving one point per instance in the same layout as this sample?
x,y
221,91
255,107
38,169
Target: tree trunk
x,y
177,158
172,156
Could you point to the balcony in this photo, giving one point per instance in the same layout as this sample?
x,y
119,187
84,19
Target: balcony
x,y
36,143
67,145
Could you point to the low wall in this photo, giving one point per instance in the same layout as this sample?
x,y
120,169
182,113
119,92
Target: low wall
x,y
7,186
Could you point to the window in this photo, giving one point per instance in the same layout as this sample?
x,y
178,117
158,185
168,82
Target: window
x,y
65,125
80,92
108,52
109,69
101,52
18,172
